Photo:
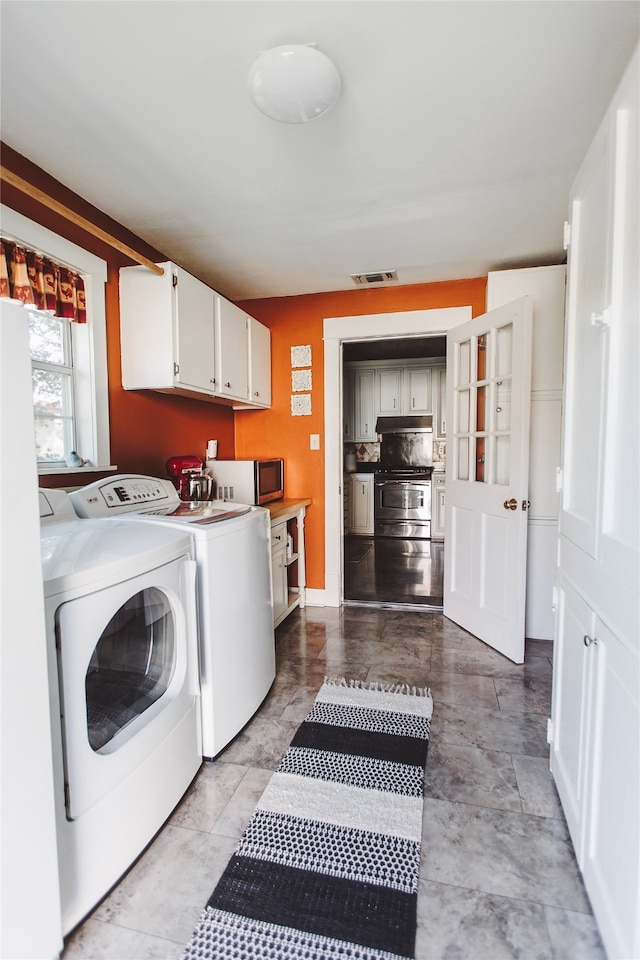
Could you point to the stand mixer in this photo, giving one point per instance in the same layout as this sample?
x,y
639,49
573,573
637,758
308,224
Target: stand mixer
x,y
187,475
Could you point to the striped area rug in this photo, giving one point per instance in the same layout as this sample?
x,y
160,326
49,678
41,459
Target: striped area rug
x,y
328,864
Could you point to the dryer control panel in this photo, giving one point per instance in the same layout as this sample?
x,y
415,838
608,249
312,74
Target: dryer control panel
x,y
126,493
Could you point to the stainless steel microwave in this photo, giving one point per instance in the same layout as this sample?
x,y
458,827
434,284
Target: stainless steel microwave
x,y
249,481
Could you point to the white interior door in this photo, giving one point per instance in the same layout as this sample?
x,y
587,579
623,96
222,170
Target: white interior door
x,y
488,398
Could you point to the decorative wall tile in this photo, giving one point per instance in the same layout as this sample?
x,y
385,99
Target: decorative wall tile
x,y
301,405
301,379
301,356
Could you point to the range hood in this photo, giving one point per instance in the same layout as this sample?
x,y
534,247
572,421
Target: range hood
x,y
404,425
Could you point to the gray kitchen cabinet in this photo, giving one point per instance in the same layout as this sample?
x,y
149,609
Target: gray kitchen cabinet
x,y
418,391
440,402
348,404
437,507
365,419
389,399
361,504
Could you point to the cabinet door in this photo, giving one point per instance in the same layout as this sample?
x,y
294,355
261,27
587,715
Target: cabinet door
x,y
194,332
419,396
571,717
587,308
232,351
389,392
362,504
365,418
259,363
280,588
612,828
348,404
437,511
440,403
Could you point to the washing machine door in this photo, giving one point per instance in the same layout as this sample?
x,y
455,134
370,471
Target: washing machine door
x,y
127,666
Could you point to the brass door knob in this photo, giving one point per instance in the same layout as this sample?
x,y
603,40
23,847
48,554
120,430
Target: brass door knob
x,y
511,504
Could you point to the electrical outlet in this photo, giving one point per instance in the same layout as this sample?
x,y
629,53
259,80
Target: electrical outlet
x,y
314,441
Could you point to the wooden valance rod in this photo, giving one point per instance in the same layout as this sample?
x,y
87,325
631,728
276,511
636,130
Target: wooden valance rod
x,y
36,194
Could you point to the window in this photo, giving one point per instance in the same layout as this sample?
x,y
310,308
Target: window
x,y
69,360
53,388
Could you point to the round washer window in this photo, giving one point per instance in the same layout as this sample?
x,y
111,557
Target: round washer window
x,y
131,666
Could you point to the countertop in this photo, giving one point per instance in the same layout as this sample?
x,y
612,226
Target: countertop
x,y
282,509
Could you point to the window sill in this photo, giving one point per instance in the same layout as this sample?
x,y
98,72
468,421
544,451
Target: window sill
x,y
55,470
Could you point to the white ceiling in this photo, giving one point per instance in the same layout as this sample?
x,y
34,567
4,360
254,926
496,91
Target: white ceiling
x,y
450,152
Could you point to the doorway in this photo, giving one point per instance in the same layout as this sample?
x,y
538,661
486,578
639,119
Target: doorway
x,y
339,332
405,569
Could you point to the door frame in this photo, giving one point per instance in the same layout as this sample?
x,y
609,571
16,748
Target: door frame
x,y
336,331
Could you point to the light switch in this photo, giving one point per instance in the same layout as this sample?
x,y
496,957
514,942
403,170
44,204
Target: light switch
x,y
314,441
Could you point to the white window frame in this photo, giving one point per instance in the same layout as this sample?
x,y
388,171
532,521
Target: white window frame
x,y
89,340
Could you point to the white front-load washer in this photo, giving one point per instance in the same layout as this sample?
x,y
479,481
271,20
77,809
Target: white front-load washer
x,y
235,597
123,680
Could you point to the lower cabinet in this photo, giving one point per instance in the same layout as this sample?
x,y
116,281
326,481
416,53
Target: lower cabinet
x,y
594,760
279,570
361,504
437,509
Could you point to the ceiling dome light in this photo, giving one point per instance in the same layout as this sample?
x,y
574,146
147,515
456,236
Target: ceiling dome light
x,y
294,83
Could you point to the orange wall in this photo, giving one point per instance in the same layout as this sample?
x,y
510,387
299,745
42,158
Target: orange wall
x,y
297,321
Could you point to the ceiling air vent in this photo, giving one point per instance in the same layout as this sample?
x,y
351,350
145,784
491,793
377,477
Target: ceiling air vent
x,y
383,276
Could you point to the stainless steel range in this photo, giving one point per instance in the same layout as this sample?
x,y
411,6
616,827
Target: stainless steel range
x,y
402,483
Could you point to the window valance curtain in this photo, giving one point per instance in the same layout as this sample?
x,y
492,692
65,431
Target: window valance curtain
x,y
32,278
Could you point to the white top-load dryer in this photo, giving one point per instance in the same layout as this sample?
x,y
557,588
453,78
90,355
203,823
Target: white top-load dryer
x,y
120,614
234,591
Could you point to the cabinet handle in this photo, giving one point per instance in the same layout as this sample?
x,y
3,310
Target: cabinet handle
x,y
589,640
212,380
256,393
227,384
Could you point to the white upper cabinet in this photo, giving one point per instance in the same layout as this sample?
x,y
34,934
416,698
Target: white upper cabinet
x,y
259,363
180,336
232,355
167,331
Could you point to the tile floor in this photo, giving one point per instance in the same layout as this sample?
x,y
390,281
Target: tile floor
x,y
498,873
393,570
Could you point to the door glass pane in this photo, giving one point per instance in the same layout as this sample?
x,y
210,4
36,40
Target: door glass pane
x,y
464,411
503,415
131,666
480,455
481,409
502,449
504,350
482,357
463,459
464,361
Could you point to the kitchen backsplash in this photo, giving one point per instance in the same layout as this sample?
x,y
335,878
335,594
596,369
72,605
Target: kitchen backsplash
x,y
370,452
